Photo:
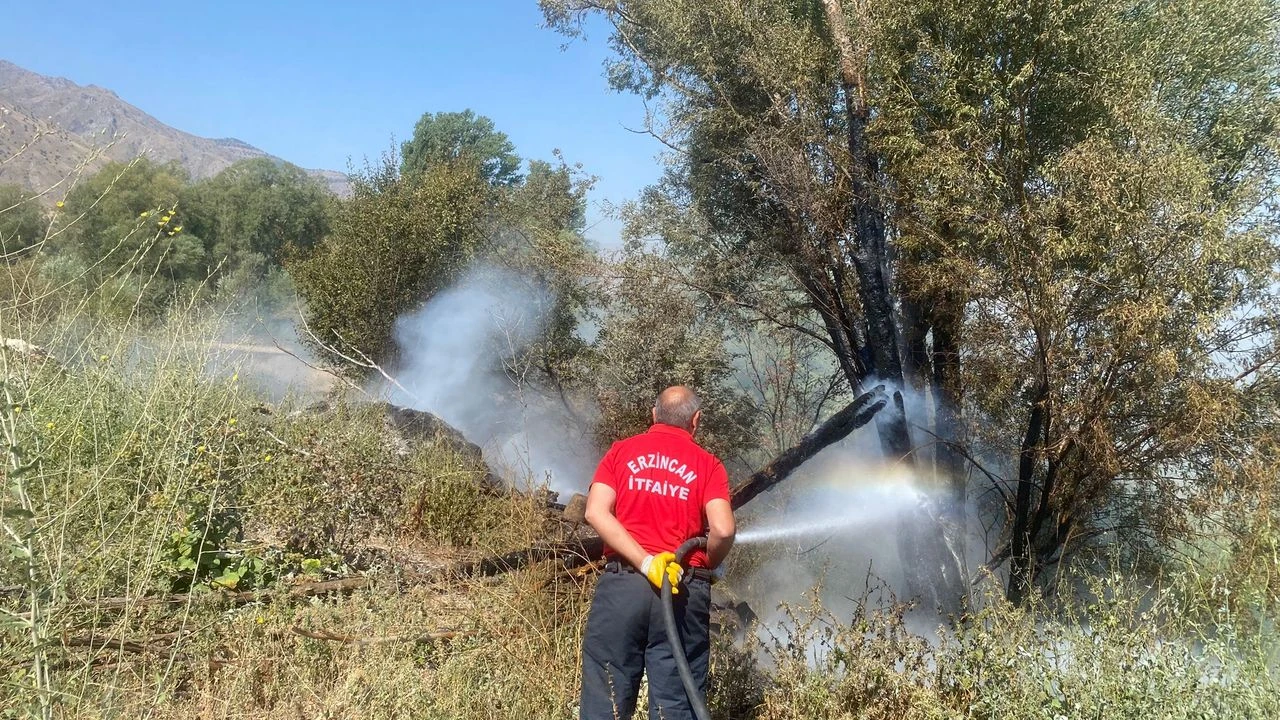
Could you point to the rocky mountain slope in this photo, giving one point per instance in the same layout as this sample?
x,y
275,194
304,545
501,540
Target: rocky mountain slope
x,y
50,127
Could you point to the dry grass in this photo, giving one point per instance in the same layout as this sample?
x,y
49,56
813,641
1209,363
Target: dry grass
x,y
146,472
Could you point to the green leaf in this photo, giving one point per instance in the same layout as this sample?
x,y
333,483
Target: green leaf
x,y
228,579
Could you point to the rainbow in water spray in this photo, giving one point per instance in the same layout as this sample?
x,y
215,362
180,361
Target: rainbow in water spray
x,y
853,496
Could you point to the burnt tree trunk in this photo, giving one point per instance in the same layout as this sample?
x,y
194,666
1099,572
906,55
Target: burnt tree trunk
x,y
930,569
916,326
949,461
1020,541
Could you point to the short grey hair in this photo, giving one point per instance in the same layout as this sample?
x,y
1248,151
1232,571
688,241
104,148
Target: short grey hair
x,y
676,406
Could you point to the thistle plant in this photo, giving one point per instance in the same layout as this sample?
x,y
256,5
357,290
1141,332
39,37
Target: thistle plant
x,y
19,526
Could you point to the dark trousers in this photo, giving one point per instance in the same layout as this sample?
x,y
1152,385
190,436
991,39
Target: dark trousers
x,y
627,636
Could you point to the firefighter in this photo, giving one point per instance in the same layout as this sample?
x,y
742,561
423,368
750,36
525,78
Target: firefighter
x,y
650,493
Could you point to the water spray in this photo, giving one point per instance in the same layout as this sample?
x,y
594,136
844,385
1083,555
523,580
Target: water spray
x,y
844,510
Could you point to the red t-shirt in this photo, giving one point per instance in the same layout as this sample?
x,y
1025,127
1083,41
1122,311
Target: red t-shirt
x,y
663,480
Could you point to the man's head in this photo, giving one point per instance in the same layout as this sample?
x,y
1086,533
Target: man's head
x,y
678,406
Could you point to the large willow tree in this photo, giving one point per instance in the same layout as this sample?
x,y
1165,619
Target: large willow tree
x,y
1055,218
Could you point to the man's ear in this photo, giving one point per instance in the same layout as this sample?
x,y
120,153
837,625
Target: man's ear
x,y
653,412
697,417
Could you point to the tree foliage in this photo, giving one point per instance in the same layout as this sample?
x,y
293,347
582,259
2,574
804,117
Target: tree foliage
x,y
449,137
1090,203
125,222
255,212
147,226
393,244
1053,218
23,223
655,335
538,236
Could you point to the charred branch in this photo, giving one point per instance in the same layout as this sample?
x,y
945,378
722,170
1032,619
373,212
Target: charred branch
x,y
331,636
836,428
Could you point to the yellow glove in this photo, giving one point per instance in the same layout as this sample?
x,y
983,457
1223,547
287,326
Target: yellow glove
x,y
654,565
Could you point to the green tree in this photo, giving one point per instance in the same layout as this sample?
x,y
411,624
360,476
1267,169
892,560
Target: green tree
x,y
252,214
450,137
125,222
1100,177
393,245
655,334
23,222
539,237
1050,217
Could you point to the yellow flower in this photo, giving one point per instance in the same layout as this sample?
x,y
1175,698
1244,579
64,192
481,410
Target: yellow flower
x,y
178,229
200,448
144,213
17,408
266,458
50,425
261,619
59,203
232,421
103,358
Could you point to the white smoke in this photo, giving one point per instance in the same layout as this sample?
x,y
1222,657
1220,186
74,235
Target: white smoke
x,y
454,351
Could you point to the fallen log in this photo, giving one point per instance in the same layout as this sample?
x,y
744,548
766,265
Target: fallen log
x,y
580,552
570,554
151,643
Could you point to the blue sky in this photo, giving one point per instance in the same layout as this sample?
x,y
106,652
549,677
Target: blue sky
x,y
324,83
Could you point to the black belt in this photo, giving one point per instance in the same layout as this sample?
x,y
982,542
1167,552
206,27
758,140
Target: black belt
x,y
618,566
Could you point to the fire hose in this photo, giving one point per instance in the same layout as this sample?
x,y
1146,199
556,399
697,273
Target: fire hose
x,y
691,688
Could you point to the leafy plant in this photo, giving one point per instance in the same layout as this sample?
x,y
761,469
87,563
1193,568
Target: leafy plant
x,y
200,553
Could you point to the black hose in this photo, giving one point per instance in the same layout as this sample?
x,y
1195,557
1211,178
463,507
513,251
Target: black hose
x,y
673,636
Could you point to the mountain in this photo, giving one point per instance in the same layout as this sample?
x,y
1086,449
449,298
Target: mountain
x,y
49,126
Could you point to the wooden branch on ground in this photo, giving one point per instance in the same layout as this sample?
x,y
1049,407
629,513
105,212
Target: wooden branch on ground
x,y
151,643
305,590
569,553
576,553
163,642
331,636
